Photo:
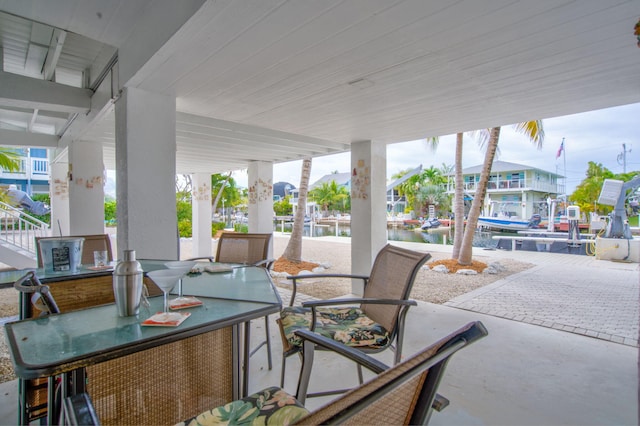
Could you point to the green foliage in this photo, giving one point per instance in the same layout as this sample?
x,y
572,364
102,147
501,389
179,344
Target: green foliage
x,y
241,227
183,209
330,196
587,192
283,207
9,160
110,216
185,228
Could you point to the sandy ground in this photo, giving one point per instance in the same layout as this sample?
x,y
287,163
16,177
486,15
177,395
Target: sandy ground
x,y
430,286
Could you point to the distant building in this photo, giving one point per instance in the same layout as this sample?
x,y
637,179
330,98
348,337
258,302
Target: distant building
x,y
33,176
342,179
514,189
281,190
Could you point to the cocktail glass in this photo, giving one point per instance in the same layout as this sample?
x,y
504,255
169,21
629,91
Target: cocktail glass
x,y
166,279
182,266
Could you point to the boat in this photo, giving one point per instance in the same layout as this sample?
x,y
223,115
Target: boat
x,y
506,223
430,223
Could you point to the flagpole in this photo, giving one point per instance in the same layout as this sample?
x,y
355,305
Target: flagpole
x,y
564,157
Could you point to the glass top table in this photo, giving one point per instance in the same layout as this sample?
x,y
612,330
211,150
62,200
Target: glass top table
x,y
53,344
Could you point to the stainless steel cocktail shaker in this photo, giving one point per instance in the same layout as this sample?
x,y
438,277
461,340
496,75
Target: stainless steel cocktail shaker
x,y
127,284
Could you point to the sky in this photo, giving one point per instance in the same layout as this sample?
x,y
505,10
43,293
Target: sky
x,y
592,136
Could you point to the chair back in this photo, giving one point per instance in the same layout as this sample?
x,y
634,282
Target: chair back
x,y
392,277
236,247
403,394
97,242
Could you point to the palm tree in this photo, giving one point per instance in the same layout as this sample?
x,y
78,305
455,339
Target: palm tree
x,y
9,161
458,200
293,251
535,132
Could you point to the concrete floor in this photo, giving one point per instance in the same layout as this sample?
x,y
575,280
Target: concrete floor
x,y
524,372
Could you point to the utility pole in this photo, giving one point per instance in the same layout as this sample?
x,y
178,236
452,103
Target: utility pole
x,y
622,157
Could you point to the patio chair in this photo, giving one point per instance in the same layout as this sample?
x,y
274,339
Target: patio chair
x,y
403,394
249,249
97,242
374,325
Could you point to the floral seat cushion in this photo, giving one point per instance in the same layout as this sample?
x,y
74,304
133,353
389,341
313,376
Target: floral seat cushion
x,y
271,406
348,325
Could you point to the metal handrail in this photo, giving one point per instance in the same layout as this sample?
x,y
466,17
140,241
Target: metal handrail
x,y
19,229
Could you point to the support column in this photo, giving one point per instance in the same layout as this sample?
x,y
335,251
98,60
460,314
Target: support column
x,y
145,174
86,188
260,179
59,190
201,214
260,175
368,205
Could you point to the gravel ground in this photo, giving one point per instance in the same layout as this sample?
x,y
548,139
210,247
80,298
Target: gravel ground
x,y
430,286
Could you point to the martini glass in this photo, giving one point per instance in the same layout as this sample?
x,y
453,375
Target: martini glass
x,y
183,267
166,279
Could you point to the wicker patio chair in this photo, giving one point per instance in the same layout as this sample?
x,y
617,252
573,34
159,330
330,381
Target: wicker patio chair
x,y
249,249
372,326
403,394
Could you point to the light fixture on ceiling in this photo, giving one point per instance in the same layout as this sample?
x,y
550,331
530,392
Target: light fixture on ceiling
x,y
361,83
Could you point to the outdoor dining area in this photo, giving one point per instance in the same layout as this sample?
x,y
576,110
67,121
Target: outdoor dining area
x,y
83,359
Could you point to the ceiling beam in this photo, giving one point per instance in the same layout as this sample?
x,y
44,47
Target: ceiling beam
x,y
55,48
26,92
18,138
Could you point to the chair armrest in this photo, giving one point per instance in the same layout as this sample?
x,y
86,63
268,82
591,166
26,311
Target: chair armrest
x,y
332,302
295,278
301,277
344,350
79,410
266,263
209,258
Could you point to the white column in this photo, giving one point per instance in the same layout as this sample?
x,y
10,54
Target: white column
x,y
86,188
260,178
201,214
368,206
145,174
59,190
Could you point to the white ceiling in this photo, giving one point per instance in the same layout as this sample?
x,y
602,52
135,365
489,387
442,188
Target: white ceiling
x,y
278,80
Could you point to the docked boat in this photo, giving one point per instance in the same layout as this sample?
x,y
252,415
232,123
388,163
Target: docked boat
x,y
505,223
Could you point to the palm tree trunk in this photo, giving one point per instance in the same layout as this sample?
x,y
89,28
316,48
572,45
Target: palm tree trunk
x,y
214,205
465,255
293,251
458,203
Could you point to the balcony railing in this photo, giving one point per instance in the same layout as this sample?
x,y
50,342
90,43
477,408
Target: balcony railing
x,y
517,185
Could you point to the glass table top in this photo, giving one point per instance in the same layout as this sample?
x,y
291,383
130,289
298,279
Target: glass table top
x,y
43,346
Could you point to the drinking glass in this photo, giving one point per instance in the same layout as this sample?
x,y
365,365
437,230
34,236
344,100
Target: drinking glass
x,y
183,267
166,279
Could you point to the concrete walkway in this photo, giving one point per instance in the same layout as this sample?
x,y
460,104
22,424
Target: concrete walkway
x,y
561,348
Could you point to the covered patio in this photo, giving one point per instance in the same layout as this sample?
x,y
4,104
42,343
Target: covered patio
x,y
152,88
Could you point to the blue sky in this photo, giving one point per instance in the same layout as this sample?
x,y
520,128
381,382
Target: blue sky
x,y
592,136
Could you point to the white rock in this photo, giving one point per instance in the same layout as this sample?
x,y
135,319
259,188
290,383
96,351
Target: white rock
x,y
441,269
497,266
490,270
467,272
319,270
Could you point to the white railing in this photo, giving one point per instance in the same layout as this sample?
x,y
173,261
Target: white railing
x,y
19,229
510,185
